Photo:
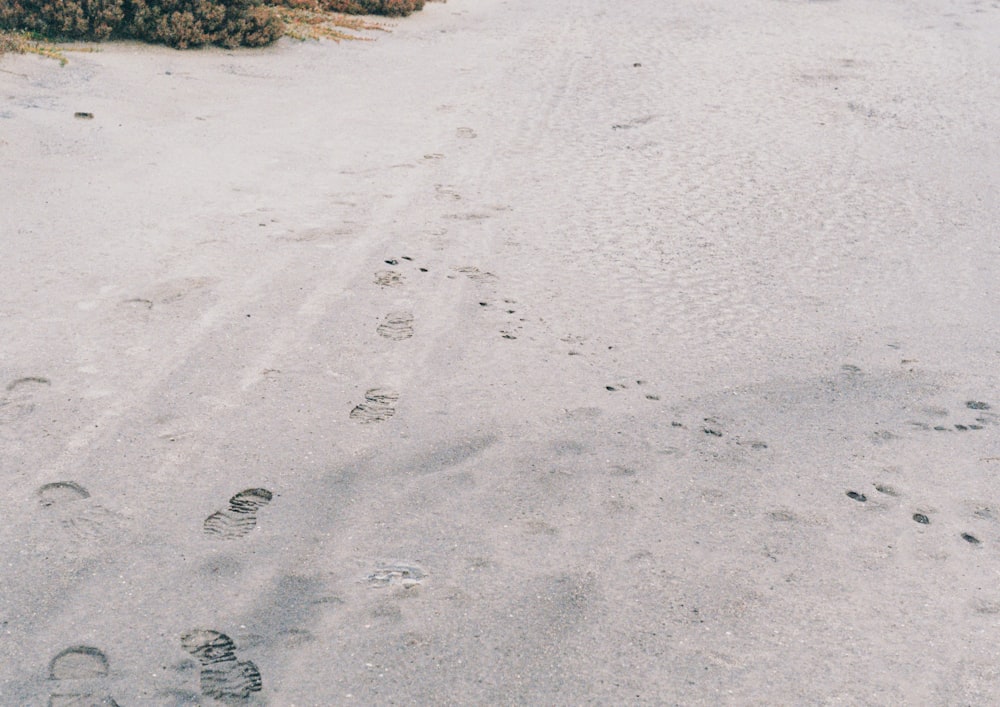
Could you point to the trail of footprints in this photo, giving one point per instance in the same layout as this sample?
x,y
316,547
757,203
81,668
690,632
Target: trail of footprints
x,y
79,674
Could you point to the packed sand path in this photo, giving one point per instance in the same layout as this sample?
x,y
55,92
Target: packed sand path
x,y
539,352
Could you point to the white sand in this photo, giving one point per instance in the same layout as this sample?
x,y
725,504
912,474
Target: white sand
x,y
784,222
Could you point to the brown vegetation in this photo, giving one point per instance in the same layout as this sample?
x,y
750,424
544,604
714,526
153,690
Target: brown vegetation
x,y
187,23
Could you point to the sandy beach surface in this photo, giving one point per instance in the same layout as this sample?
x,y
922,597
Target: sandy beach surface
x,y
539,352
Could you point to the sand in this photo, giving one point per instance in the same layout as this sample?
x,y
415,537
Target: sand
x,y
564,352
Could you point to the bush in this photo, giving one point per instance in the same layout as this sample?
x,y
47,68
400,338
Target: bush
x,y
186,23
75,19
391,8
179,23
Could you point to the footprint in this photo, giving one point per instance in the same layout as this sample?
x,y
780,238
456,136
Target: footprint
x,y
475,274
29,381
180,289
378,406
77,670
397,326
240,518
634,123
466,133
223,677
139,303
403,575
388,278
67,502
20,404
61,492
446,193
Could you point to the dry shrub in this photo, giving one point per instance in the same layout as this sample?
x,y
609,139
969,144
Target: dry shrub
x,y
76,19
23,43
389,8
191,23
302,23
179,23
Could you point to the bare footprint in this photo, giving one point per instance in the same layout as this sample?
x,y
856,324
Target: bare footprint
x,y
240,518
223,677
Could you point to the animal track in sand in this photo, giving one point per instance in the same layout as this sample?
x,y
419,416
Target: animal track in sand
x,y
465,133
921,516
981,410
614,387
711,427
240,518
76,672
715,439
396,326
403,575
379,405
223,676
511,323
406,259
